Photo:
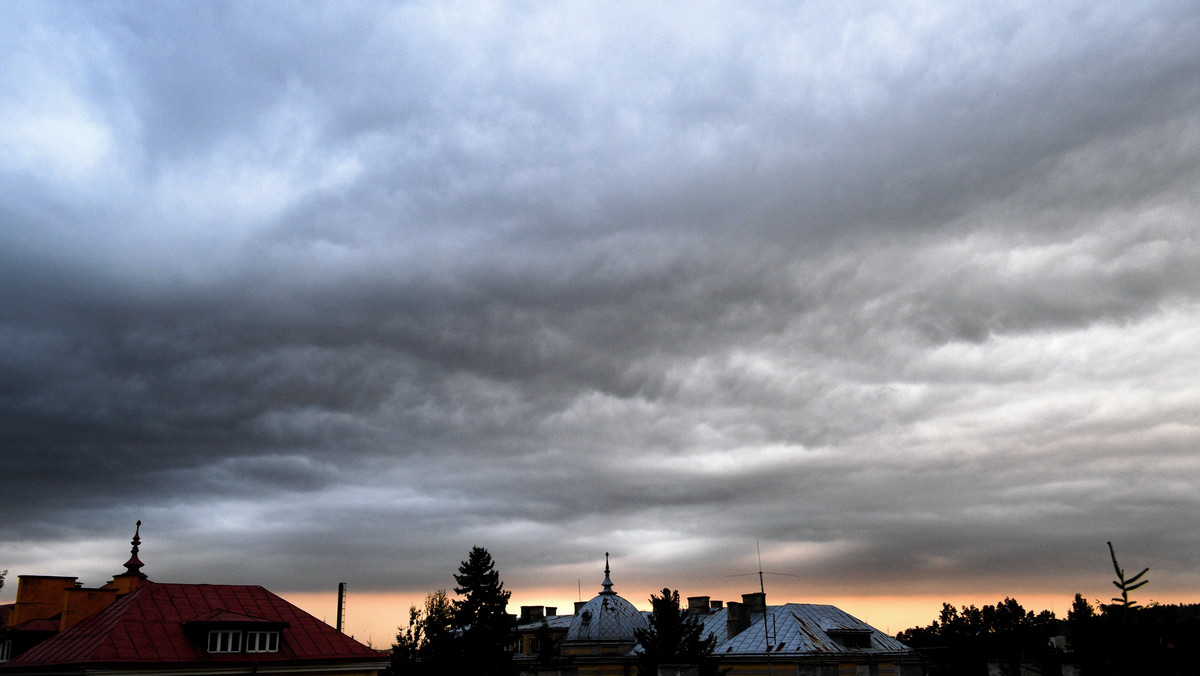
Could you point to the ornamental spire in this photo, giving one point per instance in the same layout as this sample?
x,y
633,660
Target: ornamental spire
x,y
134,565
607,584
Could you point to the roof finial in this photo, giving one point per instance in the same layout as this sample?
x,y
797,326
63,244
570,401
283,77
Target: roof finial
x,y
607,584
134,565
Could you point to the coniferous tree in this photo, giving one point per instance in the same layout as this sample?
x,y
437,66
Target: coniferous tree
x,y
547,647
1124,584
481,617
674,637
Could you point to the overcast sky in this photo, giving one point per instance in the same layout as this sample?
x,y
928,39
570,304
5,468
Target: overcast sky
x,y
909,293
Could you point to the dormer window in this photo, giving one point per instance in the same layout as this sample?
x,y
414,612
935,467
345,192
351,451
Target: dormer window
x,y
236,641
224,641
262,641
224,632
851,638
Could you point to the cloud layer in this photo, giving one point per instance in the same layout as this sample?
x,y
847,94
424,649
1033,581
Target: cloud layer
x,y
910,294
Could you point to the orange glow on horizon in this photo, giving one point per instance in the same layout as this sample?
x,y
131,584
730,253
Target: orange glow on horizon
x,y
373,617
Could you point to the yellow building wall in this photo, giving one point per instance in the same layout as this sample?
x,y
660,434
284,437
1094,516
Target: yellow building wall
x,y
81,604
775,669
125,583
598,649
40,597
786,668
309,672
605,669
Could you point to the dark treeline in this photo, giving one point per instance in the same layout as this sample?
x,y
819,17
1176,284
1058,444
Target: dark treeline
x,y
468,635
471,634
1118,638
1160,639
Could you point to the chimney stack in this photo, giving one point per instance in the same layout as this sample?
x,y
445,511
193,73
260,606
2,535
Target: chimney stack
x,y
755,603
531,614
737,619
697,605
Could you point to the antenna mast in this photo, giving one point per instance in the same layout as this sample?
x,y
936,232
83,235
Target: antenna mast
x,y
763,588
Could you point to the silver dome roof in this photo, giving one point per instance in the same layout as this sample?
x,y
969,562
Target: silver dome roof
x,y
607,617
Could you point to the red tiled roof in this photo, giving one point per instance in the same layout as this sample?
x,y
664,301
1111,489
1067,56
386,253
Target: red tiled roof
x,y
222,615
148,626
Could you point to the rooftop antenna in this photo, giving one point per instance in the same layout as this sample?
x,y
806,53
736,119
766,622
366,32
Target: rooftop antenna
x,y
763,589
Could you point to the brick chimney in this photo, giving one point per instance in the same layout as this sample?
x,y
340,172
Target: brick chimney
x,y
737,619
756,603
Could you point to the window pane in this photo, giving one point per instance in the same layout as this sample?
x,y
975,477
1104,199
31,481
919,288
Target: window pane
x,y
262,641
224,641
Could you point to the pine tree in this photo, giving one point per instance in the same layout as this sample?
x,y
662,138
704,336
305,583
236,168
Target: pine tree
x,y
1126,585
674,637
481,616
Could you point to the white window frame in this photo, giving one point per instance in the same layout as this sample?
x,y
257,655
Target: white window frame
x,y
224,641
5,650
262,641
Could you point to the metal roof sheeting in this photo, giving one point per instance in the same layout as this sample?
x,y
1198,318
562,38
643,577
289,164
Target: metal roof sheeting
x,y
148,627
609,618
798,628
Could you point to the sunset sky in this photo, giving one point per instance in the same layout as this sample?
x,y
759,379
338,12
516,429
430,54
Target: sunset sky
x,y
904,296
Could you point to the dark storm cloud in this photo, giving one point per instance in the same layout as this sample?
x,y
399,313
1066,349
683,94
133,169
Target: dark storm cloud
x,y
910,295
